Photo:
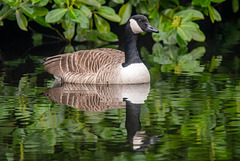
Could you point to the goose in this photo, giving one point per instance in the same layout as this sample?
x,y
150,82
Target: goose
x,y
105,65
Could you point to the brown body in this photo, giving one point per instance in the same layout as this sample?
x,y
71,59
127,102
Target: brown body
x,y
98,66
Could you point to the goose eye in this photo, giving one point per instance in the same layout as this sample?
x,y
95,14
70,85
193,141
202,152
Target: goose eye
x,y
139,20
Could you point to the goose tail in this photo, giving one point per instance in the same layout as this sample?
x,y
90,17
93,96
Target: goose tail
x,y
52,65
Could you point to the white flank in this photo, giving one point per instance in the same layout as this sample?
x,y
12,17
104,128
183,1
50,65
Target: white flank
x,y
134,74
136,29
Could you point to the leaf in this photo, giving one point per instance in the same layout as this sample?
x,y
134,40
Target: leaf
x,y
21,20
157,36
142,8
125,13
214,14
101,24
205,3
101,2
152,4
5,11
40,11
34,1
217,1
180,41
198,52
43,3
184,58
69,32
94,3
60,2
109,14
41,21
110,37
55,15
211,14
157,49
78,16
190,25
154,14
235,5
217,15
198,35
160,55
184,33
86,11
28,11
12,3
118,1
1,23
196,15
134,2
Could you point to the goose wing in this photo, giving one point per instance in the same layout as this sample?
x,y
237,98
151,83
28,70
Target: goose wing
x,y
84,62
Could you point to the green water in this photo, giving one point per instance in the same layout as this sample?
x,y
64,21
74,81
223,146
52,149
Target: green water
x,y
189,111
185,117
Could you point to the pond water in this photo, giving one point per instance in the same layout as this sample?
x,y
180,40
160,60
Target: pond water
x,y
183,114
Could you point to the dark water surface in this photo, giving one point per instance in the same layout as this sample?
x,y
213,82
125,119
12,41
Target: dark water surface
x,y
182,114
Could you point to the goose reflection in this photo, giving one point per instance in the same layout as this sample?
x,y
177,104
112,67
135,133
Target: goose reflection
x,y
89,97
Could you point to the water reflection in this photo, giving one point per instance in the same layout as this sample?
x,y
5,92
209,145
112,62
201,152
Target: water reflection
x,y
139,139
88,97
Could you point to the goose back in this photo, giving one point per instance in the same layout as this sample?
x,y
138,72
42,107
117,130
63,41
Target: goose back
x,y
98,66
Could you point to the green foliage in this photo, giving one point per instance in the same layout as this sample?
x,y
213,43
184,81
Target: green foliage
x,y
176,22
21,20
125,12
177,60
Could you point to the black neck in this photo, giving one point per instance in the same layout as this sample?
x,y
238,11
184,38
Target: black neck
x,y
131,52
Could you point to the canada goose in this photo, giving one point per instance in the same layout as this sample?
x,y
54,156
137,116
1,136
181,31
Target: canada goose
x,y
104,65
94,97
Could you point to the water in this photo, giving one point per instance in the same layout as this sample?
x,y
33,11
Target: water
x,y
180,115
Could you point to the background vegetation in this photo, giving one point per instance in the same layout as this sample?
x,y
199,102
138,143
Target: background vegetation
x,y
86,20
193,102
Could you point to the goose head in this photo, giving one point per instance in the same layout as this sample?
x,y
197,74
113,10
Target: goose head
x,y
139,23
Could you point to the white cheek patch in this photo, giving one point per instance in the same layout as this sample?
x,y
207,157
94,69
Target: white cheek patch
x,y
136,29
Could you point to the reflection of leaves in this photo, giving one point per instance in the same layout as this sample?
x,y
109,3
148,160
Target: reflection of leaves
x,y
215,62
37,39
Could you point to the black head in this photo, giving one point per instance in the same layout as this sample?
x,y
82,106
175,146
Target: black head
x,y
139,23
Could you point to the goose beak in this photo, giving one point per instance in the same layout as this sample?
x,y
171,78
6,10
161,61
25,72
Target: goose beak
x,y
151,29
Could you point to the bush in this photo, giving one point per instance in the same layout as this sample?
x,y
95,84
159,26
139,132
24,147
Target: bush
x,y
84,20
